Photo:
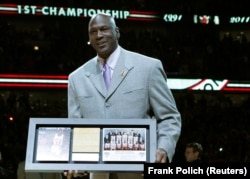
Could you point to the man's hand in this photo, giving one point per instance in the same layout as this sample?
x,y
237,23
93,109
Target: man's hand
x,y
161,156
70,174
74,174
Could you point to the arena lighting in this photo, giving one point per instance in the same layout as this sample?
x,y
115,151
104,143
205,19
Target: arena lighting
x,y
33,81
35,48
61,82
143,16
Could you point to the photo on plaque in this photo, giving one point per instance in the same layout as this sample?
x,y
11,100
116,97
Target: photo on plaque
x,y
53,143
124,144
86,144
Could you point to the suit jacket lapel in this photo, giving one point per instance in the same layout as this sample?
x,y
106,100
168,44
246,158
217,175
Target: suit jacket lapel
x,y
98,82
95,76
122,68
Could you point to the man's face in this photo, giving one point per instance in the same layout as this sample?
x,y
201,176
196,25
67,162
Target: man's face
x,y
190,155
103,37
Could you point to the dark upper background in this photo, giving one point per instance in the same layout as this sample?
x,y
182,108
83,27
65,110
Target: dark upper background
x,y
186,50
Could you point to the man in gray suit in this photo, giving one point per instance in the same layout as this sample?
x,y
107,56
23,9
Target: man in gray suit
x,y
138,90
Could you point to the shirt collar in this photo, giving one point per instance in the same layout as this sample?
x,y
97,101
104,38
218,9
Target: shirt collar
x,y
113,58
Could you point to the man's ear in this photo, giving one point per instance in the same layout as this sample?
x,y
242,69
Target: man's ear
x,y
117,33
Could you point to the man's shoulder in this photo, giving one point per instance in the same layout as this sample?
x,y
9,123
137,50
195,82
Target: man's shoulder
x,y
81,69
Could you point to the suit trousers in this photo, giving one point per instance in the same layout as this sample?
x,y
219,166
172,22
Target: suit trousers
x,y
105,175
22,174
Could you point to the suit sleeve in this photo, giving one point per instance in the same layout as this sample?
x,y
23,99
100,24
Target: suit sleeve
x,y
165,110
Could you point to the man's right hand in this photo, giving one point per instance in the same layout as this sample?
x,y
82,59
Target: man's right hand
x,y
70,174
74,174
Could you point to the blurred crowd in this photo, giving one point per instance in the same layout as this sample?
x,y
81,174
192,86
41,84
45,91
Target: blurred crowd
x,y
218,121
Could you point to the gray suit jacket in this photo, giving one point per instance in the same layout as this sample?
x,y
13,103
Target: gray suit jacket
x,y
138,90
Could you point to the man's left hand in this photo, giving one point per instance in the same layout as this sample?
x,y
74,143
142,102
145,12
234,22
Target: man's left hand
x,y
161,156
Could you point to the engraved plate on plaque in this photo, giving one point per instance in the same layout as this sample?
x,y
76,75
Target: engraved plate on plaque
x,y
86,144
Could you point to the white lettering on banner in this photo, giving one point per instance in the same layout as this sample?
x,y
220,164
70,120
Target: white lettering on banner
x,y
71,12
26,9
53,11
172,17
239,19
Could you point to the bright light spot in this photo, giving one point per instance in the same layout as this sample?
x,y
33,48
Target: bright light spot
x,y
11,118
36,48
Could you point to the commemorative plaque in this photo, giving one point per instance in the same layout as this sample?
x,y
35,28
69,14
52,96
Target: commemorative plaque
x,y
58,144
